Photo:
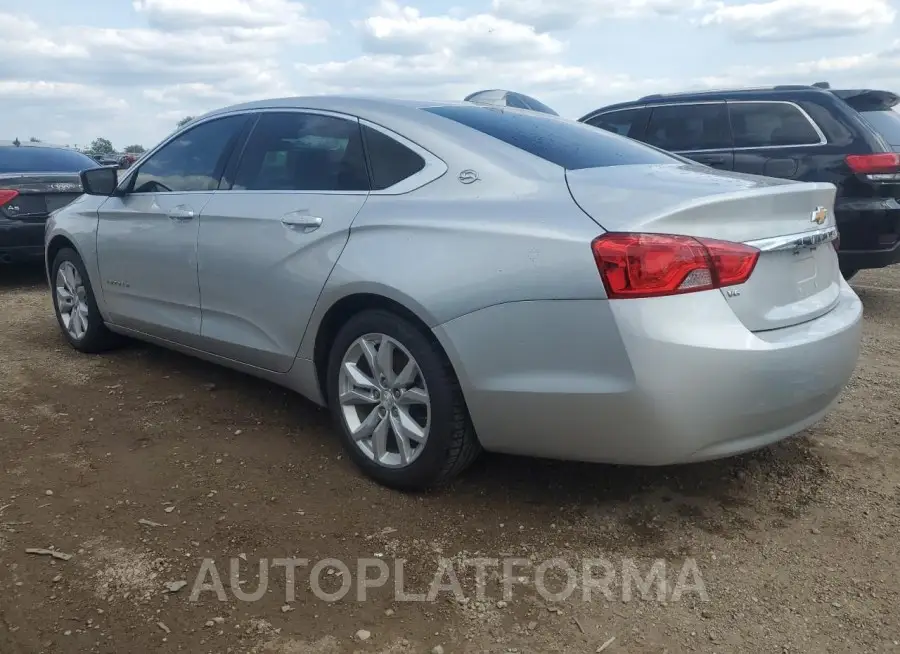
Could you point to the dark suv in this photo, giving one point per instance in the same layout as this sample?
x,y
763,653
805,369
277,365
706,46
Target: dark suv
x,y
850,138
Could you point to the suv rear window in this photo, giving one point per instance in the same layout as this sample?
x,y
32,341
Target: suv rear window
x,y
568,144
886,123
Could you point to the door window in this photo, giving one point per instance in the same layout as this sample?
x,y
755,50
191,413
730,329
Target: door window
x,y
770,124
293,151
620,122
191,162
686,127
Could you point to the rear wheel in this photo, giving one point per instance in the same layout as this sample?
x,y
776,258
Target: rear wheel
x,y
75,305
397,403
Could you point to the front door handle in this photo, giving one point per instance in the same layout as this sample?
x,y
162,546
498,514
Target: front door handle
x,y
181,213
301,221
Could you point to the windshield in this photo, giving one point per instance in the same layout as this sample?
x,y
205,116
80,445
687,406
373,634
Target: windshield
x,y
886,123
29,159
566,143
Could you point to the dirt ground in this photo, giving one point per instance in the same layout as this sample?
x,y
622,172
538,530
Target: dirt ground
x,y
797,545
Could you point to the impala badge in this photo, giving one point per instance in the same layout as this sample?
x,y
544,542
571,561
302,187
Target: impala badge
x,y
819,215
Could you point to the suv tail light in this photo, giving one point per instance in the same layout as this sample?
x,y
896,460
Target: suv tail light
x,y
653,265
7,196
881,167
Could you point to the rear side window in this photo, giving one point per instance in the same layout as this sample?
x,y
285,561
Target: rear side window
x,y
686,127
390,162
623,122
565,143
30,159
770,124
295,151
886,123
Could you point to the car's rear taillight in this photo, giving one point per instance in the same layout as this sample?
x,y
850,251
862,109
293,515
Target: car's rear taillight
x,y
7,196
881,167
652,265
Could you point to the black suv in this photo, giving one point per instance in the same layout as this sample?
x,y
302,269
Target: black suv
x,y
850,138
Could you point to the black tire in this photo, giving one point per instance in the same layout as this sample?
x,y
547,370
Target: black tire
x,y
96,338
451,445
848,272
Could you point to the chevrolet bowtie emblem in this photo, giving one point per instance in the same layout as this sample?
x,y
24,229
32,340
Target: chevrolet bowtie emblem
x,y
819,215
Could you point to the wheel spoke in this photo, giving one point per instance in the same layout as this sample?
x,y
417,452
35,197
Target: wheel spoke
x,y
385,359
413,396
69,276
379,438
402,436
405,426
371,355
406,376
358,377
367,426
354,396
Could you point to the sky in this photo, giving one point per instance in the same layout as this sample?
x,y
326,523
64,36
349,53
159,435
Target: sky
x,y
128,70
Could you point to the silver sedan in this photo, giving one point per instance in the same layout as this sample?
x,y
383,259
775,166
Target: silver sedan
x,y
452,277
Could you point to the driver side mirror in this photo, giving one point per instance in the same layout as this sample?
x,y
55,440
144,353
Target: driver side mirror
x,y
99,181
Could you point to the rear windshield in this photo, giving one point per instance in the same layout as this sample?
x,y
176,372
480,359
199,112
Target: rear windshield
x,y
28,159
886,123
566,143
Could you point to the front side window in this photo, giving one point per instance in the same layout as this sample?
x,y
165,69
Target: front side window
x,y
193,161
565,143
770,124
618,122
687,127
293,151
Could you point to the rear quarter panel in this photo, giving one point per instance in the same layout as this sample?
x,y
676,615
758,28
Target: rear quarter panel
x,y
449,249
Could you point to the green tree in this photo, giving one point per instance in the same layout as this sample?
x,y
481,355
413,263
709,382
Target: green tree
x,y
184,121
102,146
134,149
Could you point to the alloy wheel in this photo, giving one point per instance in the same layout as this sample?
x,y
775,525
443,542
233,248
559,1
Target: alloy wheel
x,y
71,300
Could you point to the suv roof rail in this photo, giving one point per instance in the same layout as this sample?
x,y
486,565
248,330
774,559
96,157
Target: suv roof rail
x,y
780,87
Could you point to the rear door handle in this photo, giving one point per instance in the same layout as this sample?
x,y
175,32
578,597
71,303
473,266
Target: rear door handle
x,y
301,221
181,213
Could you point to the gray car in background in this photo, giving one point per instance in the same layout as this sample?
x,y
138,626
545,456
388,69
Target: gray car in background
x,y
452,277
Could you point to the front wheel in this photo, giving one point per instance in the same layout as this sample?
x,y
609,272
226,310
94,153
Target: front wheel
x,y
397,403
75,305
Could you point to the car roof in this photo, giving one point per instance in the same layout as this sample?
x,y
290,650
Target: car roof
x,y
781,92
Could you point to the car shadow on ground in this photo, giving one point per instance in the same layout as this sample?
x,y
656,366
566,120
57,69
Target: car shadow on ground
x,y
21,276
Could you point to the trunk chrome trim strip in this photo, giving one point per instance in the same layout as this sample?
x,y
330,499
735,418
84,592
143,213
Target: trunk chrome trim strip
x,y
794,242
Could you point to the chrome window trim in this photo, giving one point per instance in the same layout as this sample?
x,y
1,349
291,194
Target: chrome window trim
x,y
434,167
822,139
793,242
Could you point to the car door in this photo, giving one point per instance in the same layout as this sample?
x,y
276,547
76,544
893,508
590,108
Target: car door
x,y
698,131
772,138
269,243
147,233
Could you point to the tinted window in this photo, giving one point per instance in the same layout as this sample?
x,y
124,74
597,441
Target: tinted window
x,y
536,105
29,159
513,101
192,161
303,152
617,122
390,161
886,123
566,143
689,127
764,124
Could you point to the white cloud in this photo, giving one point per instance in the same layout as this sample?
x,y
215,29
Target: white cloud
x,y
553,15
780,20
404,30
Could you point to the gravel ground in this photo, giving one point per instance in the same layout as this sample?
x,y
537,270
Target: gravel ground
x,y
141,464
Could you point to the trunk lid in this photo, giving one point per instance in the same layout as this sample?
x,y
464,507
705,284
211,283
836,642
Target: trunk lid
x,y
795,280
38,194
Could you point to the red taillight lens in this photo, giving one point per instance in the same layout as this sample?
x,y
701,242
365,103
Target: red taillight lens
x,y
873,164
652,265
7,195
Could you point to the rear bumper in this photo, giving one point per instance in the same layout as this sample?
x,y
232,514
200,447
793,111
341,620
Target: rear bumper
x,y
21,242
870,232
646,382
